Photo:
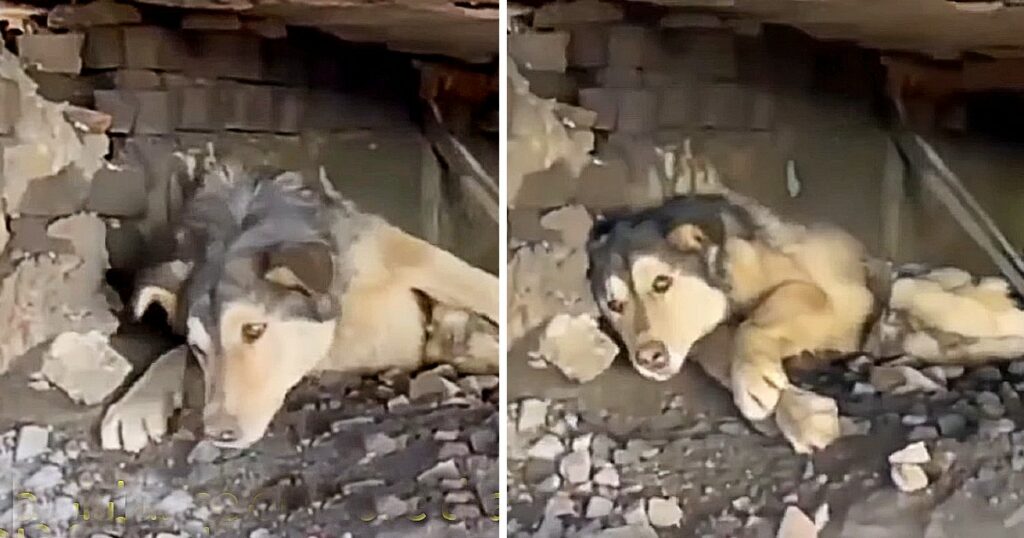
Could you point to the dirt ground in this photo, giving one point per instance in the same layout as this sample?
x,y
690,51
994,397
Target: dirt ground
x,y
348,457
683,442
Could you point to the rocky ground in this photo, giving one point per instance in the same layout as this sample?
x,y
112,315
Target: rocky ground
x,y
391,455
675,459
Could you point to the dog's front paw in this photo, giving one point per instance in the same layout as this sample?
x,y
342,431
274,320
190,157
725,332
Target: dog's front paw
x,y
141,415
809,421
756,387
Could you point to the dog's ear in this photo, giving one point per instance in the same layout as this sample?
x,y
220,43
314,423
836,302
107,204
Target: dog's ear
x,y
690,237
308,267
160,285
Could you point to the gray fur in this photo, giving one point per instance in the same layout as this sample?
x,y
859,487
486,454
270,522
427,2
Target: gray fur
x,y
231,228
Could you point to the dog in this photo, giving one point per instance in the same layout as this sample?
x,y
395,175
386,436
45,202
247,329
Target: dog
x,y
665,277
275,280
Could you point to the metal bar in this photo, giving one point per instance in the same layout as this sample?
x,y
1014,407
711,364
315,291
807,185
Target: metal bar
x,y
944,184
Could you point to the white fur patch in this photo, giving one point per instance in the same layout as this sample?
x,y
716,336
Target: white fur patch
x,y
197,334
154,294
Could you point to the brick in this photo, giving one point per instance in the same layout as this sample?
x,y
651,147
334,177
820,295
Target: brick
x,y
104,47
678,107
231,55
556,14
152,47
121,106
603,185
620,77
289,107
52,53
588,46
725,106
10,105
267,28
249,107
552,85
638,111
201,108
211,21
137,79
118,191
59,88
548,188
541,51
98,13
630,46
157,113
605,103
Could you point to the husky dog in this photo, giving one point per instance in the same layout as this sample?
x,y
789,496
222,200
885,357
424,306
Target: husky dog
x,y
667,276
274,280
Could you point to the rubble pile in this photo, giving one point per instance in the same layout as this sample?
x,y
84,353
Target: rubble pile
x,y
348,456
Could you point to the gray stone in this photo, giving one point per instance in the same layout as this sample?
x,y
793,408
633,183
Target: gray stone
x,y
599,507
909,477
547,447
532,414
577,347
608,476
629,531
664,512
430,384
442,471
914,453
177,502
575,467
952,425
84,366
32,441
203,452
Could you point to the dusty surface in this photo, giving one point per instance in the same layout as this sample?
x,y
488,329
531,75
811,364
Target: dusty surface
x,y
348,455
684,439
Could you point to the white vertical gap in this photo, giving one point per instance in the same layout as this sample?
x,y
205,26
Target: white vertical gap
x,y
503,267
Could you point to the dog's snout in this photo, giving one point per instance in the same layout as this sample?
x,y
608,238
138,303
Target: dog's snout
x,y
222,429
652,354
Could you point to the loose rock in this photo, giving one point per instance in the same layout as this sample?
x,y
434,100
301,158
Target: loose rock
x,y
664,512
577,347
796,524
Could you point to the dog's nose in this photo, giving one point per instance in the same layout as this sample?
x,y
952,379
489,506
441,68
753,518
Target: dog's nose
x,y
222,430
652,355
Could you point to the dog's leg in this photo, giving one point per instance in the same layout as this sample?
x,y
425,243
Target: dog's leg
x,y
440,274
793,318
141,414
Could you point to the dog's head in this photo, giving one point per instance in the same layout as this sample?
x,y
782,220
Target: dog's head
x,y
658,279
257,320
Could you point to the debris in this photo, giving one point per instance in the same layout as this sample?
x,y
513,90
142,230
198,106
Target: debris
x,y
532,414
915,453
599,507
204,452
909,477
32,441
577,347
952,425
46,478
430,384
796,524
548,447
575,467
664,512
608,476
85,366
808,420
902,379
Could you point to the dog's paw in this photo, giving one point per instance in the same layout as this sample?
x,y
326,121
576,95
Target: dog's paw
x,y
136,420
141,415
757,386
809,421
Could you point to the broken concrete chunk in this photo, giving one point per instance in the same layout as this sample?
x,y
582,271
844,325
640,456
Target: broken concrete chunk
x,y
808,420
577,347
796,524
32,441
429,384
532,414
572,222
85,366
913,453
664,512
909,477
902,380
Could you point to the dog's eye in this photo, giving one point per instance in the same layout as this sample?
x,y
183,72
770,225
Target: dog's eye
x,y
662,283
253,331
616,306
